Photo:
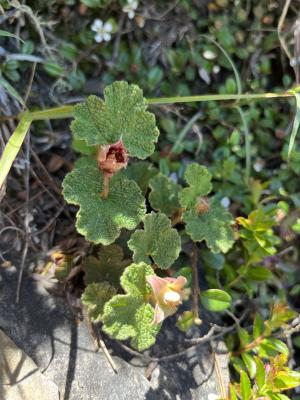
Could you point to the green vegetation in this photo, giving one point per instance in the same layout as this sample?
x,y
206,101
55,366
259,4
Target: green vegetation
x,y
188,167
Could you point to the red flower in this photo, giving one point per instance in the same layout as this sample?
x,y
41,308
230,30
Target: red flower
x,y
112,158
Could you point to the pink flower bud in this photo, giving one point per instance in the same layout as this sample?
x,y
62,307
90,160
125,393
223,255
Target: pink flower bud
x,y
112,157
167,295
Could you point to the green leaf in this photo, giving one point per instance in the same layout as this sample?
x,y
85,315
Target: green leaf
x,y
238,364
13,146
130,315
81,147
260,274
94,298
199,180
285,380
125,317
215,300
275,344
212,260
99,219
278,396
244,337
212,226
96,3
260,373
233,394
109,265
133,280
164,194
158,241
245,386
9,34
250,364
11,90
141,172
53,69
122,115
258,326
185,321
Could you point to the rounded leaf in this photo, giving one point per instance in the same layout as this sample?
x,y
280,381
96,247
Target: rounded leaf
x,y
215,300
100,220
122,115
158,241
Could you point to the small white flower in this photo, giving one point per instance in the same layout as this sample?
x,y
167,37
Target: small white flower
x,y
258,165
225,202
130,8
209,55
103,30
216,69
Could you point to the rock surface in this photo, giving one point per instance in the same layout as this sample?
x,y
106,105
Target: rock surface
x,y
20,378
43,326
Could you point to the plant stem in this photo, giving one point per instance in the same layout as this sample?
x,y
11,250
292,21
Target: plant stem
x,y
217,97
196,288
104,193
53,113
249,346
67,111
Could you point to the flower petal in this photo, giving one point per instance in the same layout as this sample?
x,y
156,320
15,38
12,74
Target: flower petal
x,y
97,24
179,283
159,315
108,27
106,36
157,284
99,38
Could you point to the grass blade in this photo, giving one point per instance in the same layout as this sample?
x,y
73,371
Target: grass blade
x,y
13,146
247,144
184,131
235,71
7,86
296,125
8,34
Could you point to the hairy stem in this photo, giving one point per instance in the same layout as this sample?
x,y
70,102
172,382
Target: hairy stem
x,y
104,193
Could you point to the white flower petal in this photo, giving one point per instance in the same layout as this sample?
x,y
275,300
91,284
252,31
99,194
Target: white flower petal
x,y
131,14
99,38
225,202
106,36
209,55
108,27
97,24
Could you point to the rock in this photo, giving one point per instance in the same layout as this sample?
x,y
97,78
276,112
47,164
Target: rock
x,y
44,327
20,378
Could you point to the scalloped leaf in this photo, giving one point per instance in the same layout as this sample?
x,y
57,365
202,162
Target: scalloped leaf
x,y
141,172
130,315
109,265
164,194
158,241
122,115
199,179
212,226
94,298
100,220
